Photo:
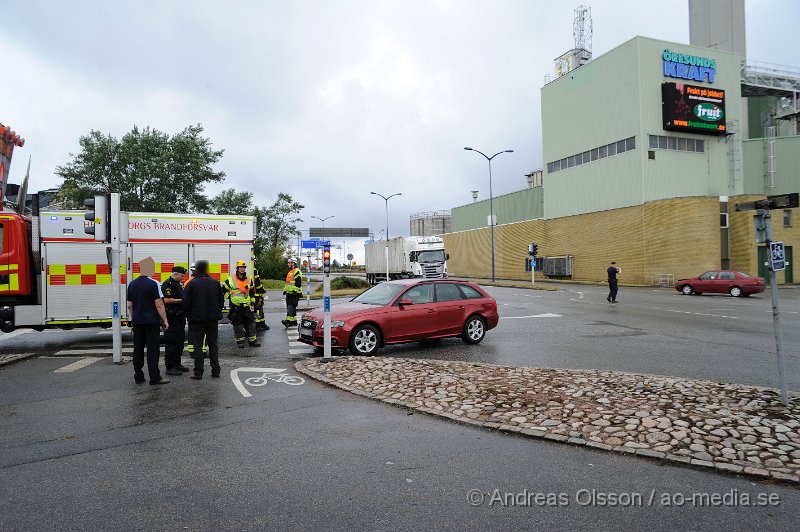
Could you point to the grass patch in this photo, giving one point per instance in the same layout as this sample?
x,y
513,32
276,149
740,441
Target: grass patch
x,y
273,284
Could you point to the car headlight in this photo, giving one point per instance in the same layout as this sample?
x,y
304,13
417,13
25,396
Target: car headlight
x,y
337,323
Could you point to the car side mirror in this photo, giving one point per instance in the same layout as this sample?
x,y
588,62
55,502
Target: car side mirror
x,y
405,301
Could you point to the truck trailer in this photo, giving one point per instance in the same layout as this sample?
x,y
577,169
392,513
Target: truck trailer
x,y
55,275
408,257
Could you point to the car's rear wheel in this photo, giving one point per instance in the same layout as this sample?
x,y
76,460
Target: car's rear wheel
x,y
365,340
474,330
736,291
687,290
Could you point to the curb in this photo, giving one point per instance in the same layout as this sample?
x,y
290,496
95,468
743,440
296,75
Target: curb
x,y
544,434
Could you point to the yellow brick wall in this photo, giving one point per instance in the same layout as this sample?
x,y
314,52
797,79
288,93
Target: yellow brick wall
x,y
678,236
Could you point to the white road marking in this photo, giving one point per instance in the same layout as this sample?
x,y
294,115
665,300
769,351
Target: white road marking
x,y
99,351
547,315
12,334
697,313
69,368
307,351
580,295
297,344
260,381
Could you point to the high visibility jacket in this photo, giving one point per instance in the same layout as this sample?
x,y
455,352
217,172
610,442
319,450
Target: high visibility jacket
x,y
238,291
257,286
294,282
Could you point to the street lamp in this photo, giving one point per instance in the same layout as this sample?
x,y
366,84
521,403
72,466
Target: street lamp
x,y
386,199
491,209
474,196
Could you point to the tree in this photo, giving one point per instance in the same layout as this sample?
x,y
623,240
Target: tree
x,y
231,202
151,170
276,225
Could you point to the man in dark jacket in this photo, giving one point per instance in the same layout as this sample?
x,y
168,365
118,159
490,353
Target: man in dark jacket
x,y
175,335
203,300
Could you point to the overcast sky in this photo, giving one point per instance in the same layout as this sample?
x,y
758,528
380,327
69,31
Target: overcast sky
x,y
324,100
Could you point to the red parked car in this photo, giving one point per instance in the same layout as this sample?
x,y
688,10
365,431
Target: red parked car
x,y
405,310
730,282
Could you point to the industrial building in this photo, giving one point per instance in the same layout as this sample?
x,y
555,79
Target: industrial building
x,y
647,149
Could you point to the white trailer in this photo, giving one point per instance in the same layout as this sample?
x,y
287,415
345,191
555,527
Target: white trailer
x,y
408,257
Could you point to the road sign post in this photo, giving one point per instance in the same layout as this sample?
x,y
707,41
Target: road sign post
x,y
326,295
115,233
776,258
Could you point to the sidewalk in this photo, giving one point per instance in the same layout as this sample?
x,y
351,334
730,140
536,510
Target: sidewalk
x,y
728,427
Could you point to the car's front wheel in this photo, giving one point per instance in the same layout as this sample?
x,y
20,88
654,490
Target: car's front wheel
x,y
474,330
365,340
736,291
687,290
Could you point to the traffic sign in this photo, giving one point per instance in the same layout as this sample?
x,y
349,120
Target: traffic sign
x,y
309,244
777,256
533,263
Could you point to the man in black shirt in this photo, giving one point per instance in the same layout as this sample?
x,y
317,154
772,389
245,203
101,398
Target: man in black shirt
x,y
146,312
176,334
203,300
613,270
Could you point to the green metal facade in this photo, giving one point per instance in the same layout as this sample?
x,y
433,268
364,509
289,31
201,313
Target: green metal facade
x,y
526,204
786,178
617,96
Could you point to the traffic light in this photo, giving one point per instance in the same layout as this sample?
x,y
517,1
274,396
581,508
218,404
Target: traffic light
x,y
533,249
99,216
326,259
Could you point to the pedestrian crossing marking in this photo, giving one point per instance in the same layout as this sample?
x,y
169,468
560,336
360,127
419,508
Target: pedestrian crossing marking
x,y
78,364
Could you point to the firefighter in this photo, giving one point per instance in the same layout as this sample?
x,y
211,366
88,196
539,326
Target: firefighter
x,y
261,295
292,290
241,294
176,333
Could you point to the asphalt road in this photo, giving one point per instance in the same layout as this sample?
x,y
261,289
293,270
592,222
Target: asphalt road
x,y
89,449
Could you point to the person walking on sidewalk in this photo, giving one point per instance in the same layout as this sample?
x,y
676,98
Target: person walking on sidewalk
x,y
613,271
147,314
241,294
293,289
203,300
175,335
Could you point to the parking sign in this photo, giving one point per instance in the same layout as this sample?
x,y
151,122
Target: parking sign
x,y
777,258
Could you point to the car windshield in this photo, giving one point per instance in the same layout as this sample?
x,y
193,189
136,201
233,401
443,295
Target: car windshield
x,y
434,255
380,294
744,274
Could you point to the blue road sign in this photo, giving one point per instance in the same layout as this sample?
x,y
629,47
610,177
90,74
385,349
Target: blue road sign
x,y
327,304
777,256
533,263
115,309
309,244
323,243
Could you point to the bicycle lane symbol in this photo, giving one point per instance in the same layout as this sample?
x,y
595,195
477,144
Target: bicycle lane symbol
x,y
267,375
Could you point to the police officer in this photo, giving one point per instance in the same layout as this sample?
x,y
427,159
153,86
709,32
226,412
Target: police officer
x,y
175,334
293,289
239,291
261,295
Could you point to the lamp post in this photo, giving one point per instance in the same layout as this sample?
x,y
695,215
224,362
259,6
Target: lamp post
x,y
474,196
386,199
491,209
323,223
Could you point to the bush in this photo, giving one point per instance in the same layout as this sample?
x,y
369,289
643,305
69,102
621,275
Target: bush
x,y
343,283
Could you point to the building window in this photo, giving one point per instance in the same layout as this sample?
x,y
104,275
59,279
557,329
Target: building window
x,y
676,143
662,142
672,142
653,141
699,145
787,217
723,220
614,148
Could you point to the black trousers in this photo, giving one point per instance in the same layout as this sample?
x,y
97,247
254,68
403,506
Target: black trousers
x,y
146,336
210,331
612,289
244,324
292,300
173,340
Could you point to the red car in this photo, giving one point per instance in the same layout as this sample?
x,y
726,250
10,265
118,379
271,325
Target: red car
x,y
406,310
730,282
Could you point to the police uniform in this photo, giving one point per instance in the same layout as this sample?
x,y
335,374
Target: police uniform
x,y
175,335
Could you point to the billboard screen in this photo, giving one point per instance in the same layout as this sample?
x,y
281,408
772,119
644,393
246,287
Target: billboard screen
x,y
693,109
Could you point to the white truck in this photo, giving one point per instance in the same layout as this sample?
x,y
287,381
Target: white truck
x,y
54,275
408,257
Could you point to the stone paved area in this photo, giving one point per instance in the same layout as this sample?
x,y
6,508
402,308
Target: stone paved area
x,y
729,427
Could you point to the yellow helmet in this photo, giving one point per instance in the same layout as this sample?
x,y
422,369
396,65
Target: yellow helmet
x,y
241,263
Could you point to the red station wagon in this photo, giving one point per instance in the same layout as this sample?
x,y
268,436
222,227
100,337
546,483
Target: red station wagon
x,y
730,282
405,310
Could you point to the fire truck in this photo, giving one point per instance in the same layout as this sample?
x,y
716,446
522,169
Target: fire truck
x,y
55,275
